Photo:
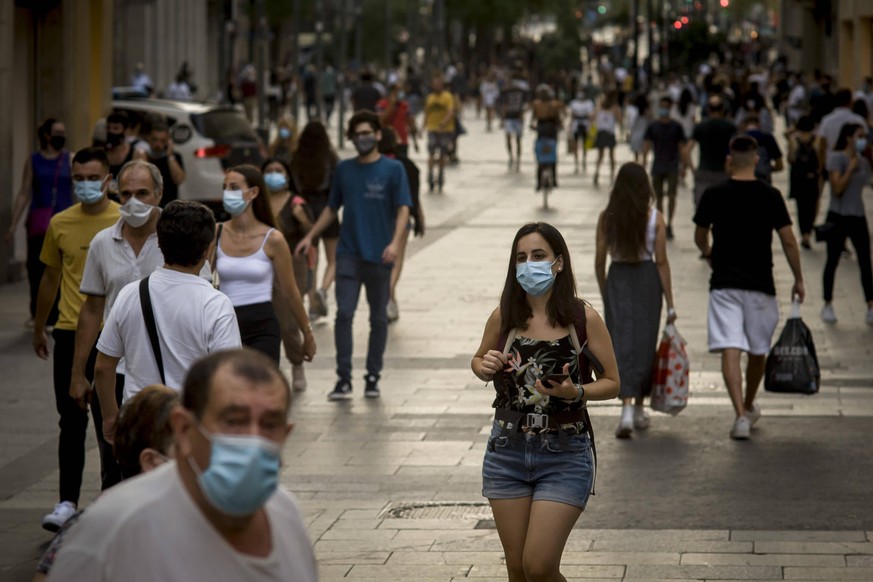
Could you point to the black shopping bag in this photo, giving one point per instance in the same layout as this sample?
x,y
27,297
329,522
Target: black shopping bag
x,y
792,365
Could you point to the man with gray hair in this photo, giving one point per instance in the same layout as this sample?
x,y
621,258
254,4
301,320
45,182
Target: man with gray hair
x,y
125,252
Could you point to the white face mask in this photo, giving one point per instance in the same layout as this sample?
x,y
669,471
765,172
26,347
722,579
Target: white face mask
x,y
135,212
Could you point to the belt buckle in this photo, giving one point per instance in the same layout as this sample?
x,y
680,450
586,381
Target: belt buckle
x,y
537,421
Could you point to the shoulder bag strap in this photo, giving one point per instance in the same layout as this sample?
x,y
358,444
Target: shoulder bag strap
x,y
216,281
149,315
510,337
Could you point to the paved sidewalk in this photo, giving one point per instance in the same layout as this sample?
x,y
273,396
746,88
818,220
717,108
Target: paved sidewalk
x,y
391,489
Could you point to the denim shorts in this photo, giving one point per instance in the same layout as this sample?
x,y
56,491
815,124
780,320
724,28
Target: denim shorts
x,y
538,466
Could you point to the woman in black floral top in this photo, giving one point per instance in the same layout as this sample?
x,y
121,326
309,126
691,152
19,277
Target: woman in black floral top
x,y
539,468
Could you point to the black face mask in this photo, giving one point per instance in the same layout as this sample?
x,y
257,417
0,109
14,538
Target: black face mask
x,y
57,142
114,139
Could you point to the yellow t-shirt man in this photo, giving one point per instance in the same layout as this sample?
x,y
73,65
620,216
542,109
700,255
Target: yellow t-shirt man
x,y
66,248
435,109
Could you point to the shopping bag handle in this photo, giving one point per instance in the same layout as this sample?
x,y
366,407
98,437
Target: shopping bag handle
x,y
795,307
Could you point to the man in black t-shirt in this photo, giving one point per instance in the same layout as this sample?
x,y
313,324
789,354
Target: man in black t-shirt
x,y
159,151
513,103
714,136
743,312
366,95
667,138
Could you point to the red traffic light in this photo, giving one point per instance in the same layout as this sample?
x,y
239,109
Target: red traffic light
x,y
677,25
725,3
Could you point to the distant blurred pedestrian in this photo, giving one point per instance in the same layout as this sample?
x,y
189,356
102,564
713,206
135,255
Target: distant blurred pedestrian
x,y
849,173
394,112
118,150
832,124
769,153
178,90
46,189
160,151
310,92
284,145
439,121
365,96
639,125
606,120
489,92
513,104
633,233
667,138
743,312
329,84
248,88
547,115
141,80
805,180
714,135
581,112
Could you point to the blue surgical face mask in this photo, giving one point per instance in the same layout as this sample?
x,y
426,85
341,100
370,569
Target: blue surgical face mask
x,y
88,191
275,181
860,144
234,202
663,112
535,277
243,472
284,132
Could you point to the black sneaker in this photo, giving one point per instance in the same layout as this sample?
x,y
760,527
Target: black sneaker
x,y
371,390
669,232
342,391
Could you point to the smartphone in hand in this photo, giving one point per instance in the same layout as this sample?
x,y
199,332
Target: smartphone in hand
x,y
557,378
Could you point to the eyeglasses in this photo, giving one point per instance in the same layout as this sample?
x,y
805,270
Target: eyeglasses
x,y
363,134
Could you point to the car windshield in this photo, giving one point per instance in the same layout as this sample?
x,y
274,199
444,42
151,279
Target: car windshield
x,y
224,125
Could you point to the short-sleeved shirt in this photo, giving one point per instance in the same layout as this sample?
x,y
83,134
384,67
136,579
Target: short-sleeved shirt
x,y
365,97
851,202
714,138
513,100
192,317
112,264
371,195
66,248
435,108
743,216
667,138
399,119
149,528
833,122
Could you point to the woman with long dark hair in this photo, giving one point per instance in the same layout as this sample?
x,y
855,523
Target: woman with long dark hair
x,y
633,233
249,254
849,172
539,468
311,174
46,189
293,219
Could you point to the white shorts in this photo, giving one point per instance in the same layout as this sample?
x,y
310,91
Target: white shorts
x,y
741,319
513,126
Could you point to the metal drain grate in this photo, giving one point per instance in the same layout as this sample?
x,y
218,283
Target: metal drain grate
x,y
439,510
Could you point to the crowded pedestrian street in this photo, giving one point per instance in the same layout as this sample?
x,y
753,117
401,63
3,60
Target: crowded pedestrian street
x,y
391,488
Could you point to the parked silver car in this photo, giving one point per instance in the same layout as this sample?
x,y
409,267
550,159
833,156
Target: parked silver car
x,y
210,138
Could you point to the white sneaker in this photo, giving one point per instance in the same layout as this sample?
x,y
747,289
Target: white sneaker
x,y
754,414
61,513
870,315
298,378
641,418
626,424
828,315
742,429
393,312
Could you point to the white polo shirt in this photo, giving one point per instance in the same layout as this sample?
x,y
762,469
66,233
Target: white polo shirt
x,y
149,528
193,319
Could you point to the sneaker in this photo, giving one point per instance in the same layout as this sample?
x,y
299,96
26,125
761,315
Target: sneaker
x,y
511,164
393,312
754,414
342,391
313,316
641,418
430,182
59,516
870,315
742,429
298,378
828,315
371,390
626,424
669,232
321,304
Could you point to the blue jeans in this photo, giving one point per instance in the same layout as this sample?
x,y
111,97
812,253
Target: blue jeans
x,y
351,272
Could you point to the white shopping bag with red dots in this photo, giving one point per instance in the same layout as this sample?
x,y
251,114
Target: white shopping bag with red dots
x,y
670,377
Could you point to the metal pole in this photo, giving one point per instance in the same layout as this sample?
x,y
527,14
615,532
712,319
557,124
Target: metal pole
x,y
341,68
295,58
650,12
441,31
411,6
359,33
261,44
387,26
635,12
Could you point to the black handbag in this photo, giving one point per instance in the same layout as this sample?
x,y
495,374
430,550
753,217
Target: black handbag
x,y
824,231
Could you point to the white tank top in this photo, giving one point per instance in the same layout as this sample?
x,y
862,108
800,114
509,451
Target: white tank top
x,y
246,280
605,120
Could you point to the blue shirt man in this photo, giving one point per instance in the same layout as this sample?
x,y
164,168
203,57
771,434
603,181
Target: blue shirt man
x,y
374,193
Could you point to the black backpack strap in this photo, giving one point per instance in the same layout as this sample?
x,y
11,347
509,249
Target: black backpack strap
x,y
148,313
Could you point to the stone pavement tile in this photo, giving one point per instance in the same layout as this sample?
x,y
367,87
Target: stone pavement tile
x,y
428,524
409,572
374,536
813,548
489,543
333,572
798,536
668,545
569,571
351,557
859,561
621,558
353,523
809,560
645,536
461,558
646,572
348,547
830,574
448,535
